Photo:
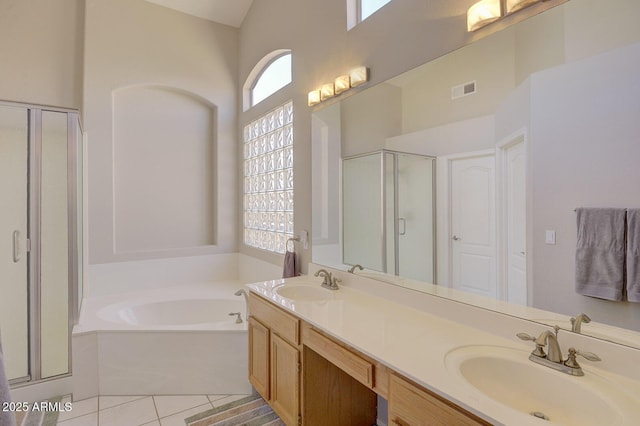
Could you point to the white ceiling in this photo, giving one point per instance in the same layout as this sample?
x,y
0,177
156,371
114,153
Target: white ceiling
x,y
228,12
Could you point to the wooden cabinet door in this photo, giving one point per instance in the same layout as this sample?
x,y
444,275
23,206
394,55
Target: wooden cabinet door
x,y
285,382
259,347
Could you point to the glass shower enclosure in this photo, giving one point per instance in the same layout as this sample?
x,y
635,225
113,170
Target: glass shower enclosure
x,y
40,238
388,201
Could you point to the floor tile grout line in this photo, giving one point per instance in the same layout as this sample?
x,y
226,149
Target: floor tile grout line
x,y
218,399
80,415
155,406
188,409
210,404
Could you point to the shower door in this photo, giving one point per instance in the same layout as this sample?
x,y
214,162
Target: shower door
x,y
388,201
415,219
363,218
39,239
14,302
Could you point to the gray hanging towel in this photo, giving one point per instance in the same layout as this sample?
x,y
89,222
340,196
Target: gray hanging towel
x,y
600,253
633,255
7,418
289,269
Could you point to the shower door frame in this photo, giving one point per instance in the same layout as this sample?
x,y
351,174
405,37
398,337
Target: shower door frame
x,y
33,245
383,202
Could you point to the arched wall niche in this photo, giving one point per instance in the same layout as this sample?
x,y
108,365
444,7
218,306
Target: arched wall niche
x,y
164,174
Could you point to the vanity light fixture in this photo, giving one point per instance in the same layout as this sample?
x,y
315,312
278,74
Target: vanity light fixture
x,y
483,13
313,98
359,76
342,84
515,5
327,91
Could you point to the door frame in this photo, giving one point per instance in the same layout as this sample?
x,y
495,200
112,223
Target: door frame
x,y
519,136
34,380
443,214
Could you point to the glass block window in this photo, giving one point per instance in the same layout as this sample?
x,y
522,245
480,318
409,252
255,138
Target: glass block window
x,y
268,180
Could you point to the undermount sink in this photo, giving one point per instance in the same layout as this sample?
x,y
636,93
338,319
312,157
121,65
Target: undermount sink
x,y
506,376
304,293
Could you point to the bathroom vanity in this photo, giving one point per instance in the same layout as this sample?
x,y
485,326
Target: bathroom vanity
x,y
320,357
309,377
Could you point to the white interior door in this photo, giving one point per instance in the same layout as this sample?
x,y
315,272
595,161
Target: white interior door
x,y
13,241
473,234
515,198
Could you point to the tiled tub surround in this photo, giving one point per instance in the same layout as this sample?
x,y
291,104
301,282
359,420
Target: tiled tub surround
x,y
412,333
175,340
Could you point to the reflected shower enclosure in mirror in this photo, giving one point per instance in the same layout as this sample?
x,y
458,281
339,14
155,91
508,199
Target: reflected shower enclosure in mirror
x,y
388,213
562,87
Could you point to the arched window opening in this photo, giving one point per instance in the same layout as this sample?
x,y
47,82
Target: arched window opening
x,y
274,76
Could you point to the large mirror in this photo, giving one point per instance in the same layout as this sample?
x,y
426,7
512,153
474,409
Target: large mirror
x,y
525,126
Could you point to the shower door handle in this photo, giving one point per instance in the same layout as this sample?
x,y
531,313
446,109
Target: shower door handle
x,y
403,222
16,246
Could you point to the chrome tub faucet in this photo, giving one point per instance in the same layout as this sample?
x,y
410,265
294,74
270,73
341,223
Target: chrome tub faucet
x,y
243,293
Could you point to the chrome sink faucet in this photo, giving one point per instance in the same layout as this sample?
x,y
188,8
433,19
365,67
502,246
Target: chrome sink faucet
x,y
328,281
553,357
352,270
549,339
576,322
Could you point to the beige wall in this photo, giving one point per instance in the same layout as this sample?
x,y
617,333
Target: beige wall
x,y
323,49
400,38
41,50
137,43
583,154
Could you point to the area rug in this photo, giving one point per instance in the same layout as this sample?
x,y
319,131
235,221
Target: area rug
x,y
249,411
47,415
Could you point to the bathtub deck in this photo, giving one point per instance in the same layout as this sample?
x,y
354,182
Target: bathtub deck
x,y
112,358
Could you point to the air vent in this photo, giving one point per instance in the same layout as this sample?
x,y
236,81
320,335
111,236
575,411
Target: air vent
x,y
464,89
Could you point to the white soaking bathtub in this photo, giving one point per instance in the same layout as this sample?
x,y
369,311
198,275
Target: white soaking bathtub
x,y
173,340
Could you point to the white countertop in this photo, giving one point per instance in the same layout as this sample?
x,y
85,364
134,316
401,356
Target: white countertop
x,y
416,343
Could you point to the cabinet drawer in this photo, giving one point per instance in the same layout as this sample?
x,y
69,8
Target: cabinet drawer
x,y
352,364
410,405
280,322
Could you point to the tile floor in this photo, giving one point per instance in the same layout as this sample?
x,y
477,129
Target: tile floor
x,y
156,410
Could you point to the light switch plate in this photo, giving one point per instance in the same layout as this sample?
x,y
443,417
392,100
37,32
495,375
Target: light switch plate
x,y
550,237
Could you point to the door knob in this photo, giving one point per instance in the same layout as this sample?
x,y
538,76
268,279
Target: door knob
x,y
456,238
